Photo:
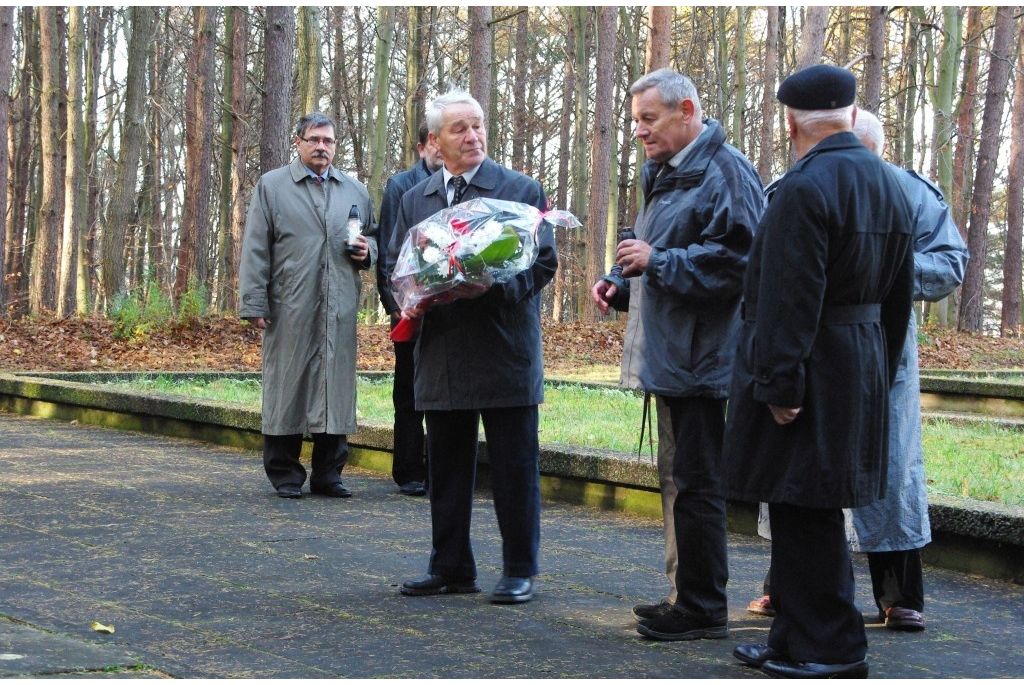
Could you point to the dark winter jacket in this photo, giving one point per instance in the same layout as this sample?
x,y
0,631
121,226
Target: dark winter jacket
x,y
700,220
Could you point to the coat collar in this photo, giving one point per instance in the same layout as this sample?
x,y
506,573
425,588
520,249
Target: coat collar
x,y
844,140
485,178
298,171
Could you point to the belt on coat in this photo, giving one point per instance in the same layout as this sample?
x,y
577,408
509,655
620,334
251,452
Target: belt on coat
x,y
838,315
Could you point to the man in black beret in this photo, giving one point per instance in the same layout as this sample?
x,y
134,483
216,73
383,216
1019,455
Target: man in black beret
x,y
827,298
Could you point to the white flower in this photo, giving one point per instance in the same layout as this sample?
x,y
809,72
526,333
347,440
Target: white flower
x,y
431,255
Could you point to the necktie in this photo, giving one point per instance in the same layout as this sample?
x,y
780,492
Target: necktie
x,y
459,184
320,180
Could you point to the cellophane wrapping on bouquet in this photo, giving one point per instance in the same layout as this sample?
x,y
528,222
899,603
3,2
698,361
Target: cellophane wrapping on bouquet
x,y
481,241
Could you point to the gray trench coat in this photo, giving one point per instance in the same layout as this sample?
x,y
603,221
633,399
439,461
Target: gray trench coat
x,y
294,271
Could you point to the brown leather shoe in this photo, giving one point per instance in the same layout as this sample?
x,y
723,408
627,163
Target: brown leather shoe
x,y
907,620
762,606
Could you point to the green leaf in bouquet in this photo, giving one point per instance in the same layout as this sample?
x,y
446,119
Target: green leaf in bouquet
x,y
505,248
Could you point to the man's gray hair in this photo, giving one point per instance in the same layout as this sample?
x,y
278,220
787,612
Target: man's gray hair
x,y
813,120
435,110
672,86
314,120
870,132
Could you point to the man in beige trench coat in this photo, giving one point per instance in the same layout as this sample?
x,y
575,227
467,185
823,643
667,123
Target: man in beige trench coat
x,y
298,281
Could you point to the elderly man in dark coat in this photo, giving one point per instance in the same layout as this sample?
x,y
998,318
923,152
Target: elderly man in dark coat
x,y
827,298
479,357
299,282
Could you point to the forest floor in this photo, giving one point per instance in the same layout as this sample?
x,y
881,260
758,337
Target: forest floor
x,y
227,344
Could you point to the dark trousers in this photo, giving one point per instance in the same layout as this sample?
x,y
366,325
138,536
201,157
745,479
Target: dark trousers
x,y
897,579
513,453
281,459
409,463
698,425
812,587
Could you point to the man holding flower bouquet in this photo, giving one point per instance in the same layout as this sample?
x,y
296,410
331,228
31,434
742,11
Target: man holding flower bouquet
x,y
478,357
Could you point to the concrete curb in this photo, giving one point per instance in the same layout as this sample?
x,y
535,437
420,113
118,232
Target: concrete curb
x,y
969,536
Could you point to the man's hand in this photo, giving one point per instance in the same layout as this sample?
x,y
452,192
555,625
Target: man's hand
x,y
469,291
633,256
258,321
784,415
359,250
602,293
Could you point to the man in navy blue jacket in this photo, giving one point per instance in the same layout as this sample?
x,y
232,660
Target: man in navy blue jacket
x,y
408,467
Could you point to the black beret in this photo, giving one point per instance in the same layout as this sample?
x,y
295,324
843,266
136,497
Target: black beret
x,y
819,87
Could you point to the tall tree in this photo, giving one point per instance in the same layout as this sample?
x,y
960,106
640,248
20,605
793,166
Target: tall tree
x,y
481,37
51,205
75,192
6,66
659,37
812,40
278,60
121,210
601,150
871,98
192,263
522,59
963,156
768,106
972,308
415,93
378,125
233,158
1009,319
310,58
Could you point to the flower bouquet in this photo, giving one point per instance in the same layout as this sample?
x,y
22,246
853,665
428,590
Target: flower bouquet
x,y
478,242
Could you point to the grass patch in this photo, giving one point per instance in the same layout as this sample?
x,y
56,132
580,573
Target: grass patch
x,y
983,462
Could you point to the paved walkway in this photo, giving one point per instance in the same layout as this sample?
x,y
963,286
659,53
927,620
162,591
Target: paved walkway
x,y
203,572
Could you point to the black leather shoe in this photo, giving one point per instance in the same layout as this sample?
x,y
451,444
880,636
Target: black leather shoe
x,y
756,655
438,585
808,669
331,490
677,625
512,590
645,611
289,491
413,489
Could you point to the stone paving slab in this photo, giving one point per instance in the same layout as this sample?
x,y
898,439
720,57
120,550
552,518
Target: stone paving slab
x,y
205,573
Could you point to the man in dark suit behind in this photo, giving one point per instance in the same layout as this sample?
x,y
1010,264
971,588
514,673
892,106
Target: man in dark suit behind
x,y
827,299
479,357
408,468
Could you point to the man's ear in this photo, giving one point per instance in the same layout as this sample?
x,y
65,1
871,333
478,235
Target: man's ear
x,y
853,117
791,124
686,106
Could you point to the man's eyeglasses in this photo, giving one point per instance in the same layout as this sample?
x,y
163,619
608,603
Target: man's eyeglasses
x,y
316,140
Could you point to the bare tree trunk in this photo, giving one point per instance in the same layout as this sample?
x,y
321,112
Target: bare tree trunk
x,y
75,192
871,99
579,204
972,309
740,99
193,267
963,157
481,37
1009,322
519,104
51,206
415,93
278,60
564,156
812,40
236,33
600,158
6,66
378,125
768,106
659,38
310,58
121,210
